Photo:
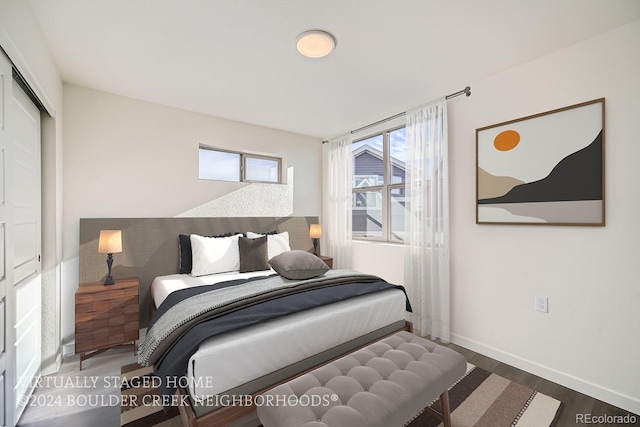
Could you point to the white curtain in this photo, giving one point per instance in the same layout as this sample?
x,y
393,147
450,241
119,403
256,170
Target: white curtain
x,y
427,272
337,201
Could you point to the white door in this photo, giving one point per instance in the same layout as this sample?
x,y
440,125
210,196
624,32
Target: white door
x,y
20,234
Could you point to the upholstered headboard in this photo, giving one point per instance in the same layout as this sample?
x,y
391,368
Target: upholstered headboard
x,y
150,245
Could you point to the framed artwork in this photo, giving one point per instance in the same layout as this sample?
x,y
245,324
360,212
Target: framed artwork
x,y
545,169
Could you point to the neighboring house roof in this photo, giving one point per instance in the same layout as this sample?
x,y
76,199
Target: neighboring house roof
x,y
377,153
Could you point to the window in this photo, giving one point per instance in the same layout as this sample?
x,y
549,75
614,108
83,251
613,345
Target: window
x,y
219,165
222,165
261,169
378,204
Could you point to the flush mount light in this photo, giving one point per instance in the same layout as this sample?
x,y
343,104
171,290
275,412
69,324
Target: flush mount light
x,y
315,43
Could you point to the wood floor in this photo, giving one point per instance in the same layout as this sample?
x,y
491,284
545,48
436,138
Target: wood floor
x,y
75,405
80,405
575,403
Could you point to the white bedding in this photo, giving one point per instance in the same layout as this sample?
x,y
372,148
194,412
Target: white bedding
x,y
162,286
227,361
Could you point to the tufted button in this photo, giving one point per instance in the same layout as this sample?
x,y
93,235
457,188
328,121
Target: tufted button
x,y
365,376
415,350
399,357
345,387
384,366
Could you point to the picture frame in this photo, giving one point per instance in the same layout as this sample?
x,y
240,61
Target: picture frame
x,y
544,169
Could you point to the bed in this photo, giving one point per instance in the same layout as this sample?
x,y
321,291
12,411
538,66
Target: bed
x,y
258,356
229,361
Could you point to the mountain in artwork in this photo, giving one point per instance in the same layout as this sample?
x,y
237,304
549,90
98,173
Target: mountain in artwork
x,y
576,177
494,186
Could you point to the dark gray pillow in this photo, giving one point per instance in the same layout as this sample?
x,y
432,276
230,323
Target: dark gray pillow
x,y
253,254
298,265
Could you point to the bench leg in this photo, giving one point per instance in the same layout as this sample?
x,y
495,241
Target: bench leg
x,y
446,409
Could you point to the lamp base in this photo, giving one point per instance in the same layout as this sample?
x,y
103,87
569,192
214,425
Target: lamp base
x,y
109,280
315,247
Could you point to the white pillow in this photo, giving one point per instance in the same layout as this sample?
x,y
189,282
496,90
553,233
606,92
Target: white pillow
x,y
213,255
276,243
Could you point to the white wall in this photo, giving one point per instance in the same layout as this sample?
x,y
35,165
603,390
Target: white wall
x,y
129,158
21,39
589,340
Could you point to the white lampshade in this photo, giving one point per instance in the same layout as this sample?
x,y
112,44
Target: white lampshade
x,y
315,43
315,231
110,241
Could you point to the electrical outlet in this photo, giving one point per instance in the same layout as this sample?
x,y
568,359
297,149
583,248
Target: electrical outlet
x,y
542,304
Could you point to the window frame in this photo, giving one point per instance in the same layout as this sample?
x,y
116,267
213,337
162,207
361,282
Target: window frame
x,y
385,189
243,167
243,164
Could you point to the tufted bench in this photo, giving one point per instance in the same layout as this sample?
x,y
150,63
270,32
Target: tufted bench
x,y
385,384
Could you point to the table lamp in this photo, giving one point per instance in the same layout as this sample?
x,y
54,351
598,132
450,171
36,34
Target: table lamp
x,y
315,232
110,242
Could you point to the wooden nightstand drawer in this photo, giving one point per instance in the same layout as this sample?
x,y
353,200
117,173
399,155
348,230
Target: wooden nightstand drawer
x,y
106,316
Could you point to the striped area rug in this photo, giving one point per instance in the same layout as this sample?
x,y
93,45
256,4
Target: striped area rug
x,y
139,400
479,399
483,399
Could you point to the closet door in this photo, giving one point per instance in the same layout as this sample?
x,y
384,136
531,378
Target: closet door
x,y
20,234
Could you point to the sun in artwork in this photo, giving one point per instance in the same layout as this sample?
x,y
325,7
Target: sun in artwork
x,y
506,140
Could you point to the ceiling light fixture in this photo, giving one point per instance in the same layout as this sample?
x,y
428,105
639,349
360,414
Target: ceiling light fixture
x,y
315,43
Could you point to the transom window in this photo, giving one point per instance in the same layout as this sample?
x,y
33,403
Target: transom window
x,y
378,205
223,165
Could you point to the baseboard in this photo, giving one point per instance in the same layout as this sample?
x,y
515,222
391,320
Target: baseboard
x,y
53,366
69,349
612,397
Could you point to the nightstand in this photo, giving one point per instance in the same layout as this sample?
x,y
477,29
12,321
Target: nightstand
x,y
327,260
107,317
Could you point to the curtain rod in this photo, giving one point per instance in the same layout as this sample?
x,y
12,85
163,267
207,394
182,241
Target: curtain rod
x,y
466,91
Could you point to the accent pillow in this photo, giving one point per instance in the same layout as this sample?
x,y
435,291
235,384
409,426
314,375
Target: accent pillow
x,y
253,254
276,243
184,244
298,265
213,255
